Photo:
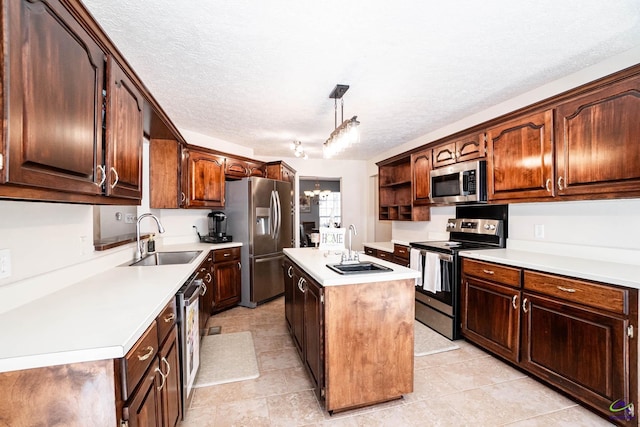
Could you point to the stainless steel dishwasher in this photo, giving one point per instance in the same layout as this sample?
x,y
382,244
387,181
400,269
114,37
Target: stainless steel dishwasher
x,y
187,300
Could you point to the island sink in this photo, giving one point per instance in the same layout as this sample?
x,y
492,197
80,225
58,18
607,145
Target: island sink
x,y
358,268
166,258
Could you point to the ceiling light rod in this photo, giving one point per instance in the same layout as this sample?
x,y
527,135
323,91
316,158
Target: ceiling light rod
x,y
344,135
337,93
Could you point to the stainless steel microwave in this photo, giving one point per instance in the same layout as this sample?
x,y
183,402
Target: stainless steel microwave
x,y
460,183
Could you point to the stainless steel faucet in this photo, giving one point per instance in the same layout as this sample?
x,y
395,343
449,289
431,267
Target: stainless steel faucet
x,y
355,232
139,248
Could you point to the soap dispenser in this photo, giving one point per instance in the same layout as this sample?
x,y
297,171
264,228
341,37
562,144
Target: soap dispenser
x,y
151,245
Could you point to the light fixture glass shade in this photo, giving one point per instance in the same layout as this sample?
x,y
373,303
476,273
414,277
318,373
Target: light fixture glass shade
x,y
342,137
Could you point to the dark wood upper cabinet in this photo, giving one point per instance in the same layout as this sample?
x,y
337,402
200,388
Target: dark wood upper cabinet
x,y
124,118
55,99
280,171
520,156
203,182
165,189
241,168
461,149
598,142
420,171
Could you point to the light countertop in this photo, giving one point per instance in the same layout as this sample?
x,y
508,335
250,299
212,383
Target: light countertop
x,y
314,262
97,318
582,268
386,246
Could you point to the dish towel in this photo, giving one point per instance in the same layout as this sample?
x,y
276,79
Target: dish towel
x,y
415,263
432,277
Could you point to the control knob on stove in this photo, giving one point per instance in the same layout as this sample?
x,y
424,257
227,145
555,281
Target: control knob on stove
x,y
489,227
451,225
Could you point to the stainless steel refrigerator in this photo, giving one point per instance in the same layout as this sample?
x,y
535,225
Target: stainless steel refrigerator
x,y
260,215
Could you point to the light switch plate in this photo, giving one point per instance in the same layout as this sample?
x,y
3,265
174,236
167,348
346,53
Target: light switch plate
x,y
5,263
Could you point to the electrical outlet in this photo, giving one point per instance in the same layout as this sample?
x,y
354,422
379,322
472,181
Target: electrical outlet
x,y
538,231
5,263
129,218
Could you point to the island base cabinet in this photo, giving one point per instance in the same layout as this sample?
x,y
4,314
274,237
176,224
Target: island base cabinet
x,y
368,343
582,351
77,394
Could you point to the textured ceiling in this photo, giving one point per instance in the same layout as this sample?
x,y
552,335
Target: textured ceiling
x,y
259,73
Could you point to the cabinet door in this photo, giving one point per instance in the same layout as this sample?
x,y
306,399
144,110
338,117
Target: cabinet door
x,y
519,163
227,283
54,111
287,268
164,174
444,155
205,304
170,392
597,142
124,135
583,351
420,169
470,147
491,316
313,333
298,313
143,409
205,179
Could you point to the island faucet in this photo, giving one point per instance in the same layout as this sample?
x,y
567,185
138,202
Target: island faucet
x,y
139,248
355,232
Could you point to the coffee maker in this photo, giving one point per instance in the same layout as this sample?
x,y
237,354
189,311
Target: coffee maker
x,y
218,228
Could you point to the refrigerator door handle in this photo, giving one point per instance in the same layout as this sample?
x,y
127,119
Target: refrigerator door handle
x,y
279,214
272,214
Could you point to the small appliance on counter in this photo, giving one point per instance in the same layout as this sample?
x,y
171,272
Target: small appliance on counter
x,y
217,228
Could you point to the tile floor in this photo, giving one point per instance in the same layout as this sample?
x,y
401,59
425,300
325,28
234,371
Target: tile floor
x,y
464,387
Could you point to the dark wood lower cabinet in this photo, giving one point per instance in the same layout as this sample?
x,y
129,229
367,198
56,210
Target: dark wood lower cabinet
x,y
576,335
314,334
492,316
170,392
143,409
580,350
287,268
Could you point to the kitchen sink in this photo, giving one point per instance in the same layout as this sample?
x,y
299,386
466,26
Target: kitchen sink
x,y
166,258
358,268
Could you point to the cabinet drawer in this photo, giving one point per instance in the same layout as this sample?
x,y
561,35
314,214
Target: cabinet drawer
x,y
370,251
166,320
226,254
401,251
581,292
385,255
496,273
138,359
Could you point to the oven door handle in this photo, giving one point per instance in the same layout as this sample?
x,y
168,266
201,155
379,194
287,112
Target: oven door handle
x,y
443,257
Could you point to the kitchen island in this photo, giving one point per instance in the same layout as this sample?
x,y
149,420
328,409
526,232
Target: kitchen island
x,y
353,332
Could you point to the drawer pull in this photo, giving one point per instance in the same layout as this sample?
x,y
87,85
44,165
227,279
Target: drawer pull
x,y
570,290
147,354
488,271
514,304
169,318
524,305
227,254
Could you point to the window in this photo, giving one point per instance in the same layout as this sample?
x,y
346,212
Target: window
x,y
329,207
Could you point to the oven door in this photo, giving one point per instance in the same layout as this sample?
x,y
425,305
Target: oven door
x,y
440,267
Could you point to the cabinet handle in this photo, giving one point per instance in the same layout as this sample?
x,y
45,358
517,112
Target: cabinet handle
x,y
290,271
239,266
182,197
488,271
457,154
169,318
164,378
147,355
117,177
204,289
524,305
104,176
547,185
301,283
166,362
514,304
209,278
570,290
560,180
227,254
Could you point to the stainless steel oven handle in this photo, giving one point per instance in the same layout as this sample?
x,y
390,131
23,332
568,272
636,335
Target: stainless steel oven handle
x,y
443,257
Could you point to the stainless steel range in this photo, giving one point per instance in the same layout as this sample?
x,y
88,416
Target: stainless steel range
x,y
438,289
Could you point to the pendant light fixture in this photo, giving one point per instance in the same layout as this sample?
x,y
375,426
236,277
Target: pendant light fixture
x,y
347,133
